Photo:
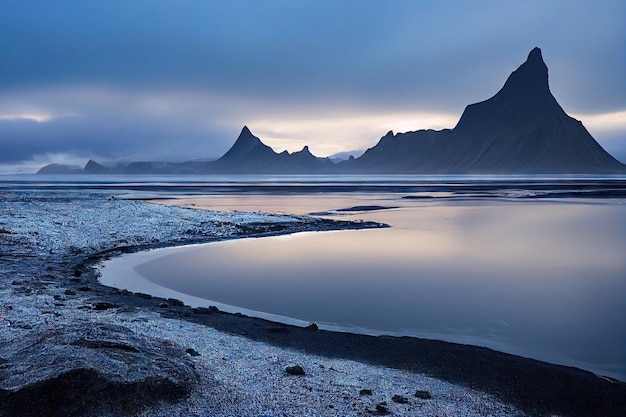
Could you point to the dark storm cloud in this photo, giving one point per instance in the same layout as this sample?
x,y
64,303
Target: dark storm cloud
x,y
381,51
289,58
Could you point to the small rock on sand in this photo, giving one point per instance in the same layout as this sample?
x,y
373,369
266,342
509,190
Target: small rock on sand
x,y
400,399
103,305
295,370
424,395
192,352
381,409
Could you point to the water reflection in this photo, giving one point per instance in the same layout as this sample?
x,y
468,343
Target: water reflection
x,y
545,280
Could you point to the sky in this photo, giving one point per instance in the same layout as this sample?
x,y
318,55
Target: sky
x,y
177,80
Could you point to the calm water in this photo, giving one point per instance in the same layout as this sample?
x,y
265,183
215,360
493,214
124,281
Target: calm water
x,y
544,279
529,265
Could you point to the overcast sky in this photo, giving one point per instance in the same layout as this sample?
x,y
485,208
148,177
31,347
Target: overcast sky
x,y
177,80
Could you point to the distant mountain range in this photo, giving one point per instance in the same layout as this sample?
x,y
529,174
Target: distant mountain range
x,y
520,130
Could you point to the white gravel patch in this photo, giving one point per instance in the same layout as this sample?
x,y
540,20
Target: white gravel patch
x,y
240,377
247,378
237,376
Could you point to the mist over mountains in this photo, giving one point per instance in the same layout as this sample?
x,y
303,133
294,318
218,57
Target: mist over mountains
x,y
520,130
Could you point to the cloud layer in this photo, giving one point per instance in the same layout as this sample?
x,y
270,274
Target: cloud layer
x,y
177,80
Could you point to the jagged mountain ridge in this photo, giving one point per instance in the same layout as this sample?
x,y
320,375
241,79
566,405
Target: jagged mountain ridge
x,y
520,130
250,155
92,167
248,151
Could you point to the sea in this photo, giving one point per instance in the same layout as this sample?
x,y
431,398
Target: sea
x,y
529,265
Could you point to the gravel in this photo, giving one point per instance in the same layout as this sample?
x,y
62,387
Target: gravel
x,y
53,322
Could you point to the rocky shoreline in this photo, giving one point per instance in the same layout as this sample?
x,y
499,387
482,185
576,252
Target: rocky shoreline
x,y
73,347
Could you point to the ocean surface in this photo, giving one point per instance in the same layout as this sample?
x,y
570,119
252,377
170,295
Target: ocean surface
x,y
534,266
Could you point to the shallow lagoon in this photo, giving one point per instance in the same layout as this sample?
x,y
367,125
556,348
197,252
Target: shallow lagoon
x,y
543,279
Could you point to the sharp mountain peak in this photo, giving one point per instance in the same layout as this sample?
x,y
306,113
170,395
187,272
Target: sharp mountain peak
x,y
531,75
521,129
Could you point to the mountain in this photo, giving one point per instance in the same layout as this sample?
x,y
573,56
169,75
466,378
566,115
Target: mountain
x,y
301,161
423,151
60,169
520,130
344,156
250,155
92,167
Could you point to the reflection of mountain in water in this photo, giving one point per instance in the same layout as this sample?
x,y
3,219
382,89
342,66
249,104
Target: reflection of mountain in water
x,y
520,130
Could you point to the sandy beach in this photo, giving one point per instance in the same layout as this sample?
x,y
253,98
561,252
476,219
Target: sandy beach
x,y
71,346
312,208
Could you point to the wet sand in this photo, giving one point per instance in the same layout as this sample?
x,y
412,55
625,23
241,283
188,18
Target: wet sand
x,y
510,276
55,307
534,386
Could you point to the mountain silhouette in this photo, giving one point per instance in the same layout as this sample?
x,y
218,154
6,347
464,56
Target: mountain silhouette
x,y
250,155
522,129
92,167
56,169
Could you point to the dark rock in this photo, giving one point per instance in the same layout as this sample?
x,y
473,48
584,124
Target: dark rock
x,y
278,330
400,399
58,297
56,374
313,327
103,305
104,344
84,289
176,303
142,295
192,352
201,310
70,292
214,309
381,409
424,395
163,305
366,208
77,273
366,391
295,370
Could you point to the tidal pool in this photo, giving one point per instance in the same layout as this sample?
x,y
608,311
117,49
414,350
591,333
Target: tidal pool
x,y
544,279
